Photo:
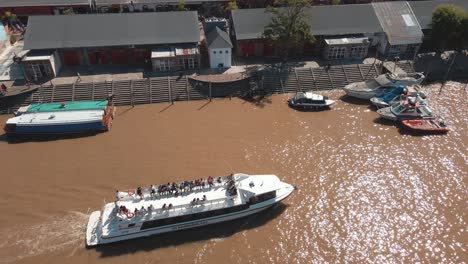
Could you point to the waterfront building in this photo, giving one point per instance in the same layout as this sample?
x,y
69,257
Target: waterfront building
x,y
402,35
127,38
343,31
219,48
23,8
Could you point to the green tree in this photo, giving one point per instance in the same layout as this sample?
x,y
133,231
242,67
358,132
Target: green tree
x,y
180,5
289,27
231,6
8,17
335,2
449,27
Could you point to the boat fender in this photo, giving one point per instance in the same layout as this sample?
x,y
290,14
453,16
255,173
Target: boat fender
x,y
130,215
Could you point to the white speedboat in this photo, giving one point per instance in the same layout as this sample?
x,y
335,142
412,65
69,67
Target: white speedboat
x,y
382,84
407,109
310,100
148,211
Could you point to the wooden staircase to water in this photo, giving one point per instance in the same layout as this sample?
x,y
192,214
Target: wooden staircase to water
x,y
181,88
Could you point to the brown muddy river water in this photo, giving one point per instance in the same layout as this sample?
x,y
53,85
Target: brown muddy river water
x,y
368,192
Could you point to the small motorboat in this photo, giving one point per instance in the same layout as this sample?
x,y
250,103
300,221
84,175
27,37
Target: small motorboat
x,y
382,84
310,100
432,125
407,109
395,96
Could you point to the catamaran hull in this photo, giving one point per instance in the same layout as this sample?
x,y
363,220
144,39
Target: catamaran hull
x,y
378,103
386,113
327,104
360,94
94,237
63,128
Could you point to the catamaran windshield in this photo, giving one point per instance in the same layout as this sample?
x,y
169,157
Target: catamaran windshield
x,y
372,84
299,96
382,80
398,108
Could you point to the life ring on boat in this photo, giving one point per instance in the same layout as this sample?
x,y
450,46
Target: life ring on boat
x,y
130,192
130,215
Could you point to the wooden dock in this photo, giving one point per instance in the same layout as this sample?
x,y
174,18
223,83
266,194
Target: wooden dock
x,y
181,88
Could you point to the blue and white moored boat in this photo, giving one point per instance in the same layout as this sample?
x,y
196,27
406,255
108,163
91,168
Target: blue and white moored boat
x,y
59,122
396,95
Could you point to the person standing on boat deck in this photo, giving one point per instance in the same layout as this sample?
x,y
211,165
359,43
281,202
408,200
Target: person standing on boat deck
x,y
153,190
4,89
139,192
202,183
117,195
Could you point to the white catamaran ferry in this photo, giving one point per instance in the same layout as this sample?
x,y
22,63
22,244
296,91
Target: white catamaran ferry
x,y
170,207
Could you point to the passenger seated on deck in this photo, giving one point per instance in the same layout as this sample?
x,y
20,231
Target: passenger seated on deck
x,y
170,206
193,201
204,198
164,206
153,190
122,209
139,192
142,209
136,211
150,208
219,180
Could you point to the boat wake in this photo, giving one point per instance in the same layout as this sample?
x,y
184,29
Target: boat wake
x,y
56,233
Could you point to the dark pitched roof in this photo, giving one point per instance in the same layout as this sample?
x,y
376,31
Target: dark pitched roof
x,y
423,9
17,3
101,30
324,20
107,2
399,23
218,39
